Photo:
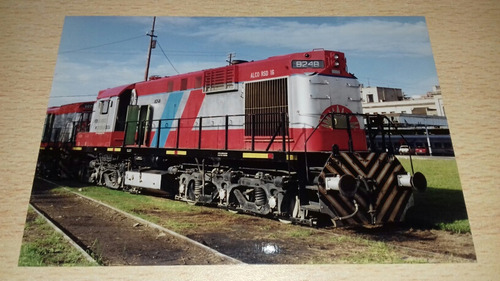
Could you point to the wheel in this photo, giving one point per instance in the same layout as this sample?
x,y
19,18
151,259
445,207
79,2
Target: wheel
x,y
111,179
190,193
233,202
291,206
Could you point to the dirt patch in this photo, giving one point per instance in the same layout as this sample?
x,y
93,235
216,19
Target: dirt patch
x,y
115,239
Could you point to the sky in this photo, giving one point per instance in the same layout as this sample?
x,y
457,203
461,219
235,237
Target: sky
x,y
97,53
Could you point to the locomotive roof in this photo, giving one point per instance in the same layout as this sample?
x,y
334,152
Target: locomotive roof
x,y
71,108
328,63
116,91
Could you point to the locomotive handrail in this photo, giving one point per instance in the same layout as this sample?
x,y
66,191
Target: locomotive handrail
x,y
281,127
404,139
332,114
383,131
142,123
176,123
348,128
384,128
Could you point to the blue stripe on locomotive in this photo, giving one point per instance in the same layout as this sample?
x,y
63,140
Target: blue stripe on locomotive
x,y
169,112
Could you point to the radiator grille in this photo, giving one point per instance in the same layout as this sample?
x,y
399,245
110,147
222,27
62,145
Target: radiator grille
x,y
265,101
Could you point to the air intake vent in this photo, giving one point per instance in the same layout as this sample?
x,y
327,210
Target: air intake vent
x,y
264,103
220,80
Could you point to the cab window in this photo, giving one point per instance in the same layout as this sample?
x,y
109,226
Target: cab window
x,y
104,106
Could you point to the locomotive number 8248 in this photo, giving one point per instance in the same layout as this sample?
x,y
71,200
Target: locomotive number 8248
x,y
292,145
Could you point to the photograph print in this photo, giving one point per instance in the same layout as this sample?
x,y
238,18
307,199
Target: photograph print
x,y
245,140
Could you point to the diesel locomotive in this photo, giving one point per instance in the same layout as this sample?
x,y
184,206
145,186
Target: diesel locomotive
x,y
282,137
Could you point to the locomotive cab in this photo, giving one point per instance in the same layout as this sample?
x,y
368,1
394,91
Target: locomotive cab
x,y
108,119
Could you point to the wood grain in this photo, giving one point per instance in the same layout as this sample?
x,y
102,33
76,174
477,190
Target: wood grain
x,y
465,42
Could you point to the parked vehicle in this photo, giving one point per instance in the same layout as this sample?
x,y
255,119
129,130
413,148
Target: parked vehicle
x,y
405,150
421,150
440,145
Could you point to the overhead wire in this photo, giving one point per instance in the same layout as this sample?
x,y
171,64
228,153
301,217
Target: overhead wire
x,y
105,44
71,96
167,57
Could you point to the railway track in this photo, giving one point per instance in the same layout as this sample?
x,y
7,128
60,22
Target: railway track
x,y
119,238
84,251
246,239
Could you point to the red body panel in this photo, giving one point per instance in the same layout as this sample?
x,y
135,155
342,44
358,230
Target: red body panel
x,y
280,66
192,108
113,139
321,140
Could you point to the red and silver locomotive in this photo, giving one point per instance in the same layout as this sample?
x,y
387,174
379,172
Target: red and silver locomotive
x,y
282,137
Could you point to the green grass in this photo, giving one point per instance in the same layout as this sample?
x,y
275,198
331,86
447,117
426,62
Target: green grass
x,y
45,247
301,233
368,251
134,203
140,205
375,252
442,205
364,251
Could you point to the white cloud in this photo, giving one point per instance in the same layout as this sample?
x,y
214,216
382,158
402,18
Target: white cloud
x,y
84,80
163,23
376,36
184,67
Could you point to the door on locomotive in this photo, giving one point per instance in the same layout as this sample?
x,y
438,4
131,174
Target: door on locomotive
x,y
138,124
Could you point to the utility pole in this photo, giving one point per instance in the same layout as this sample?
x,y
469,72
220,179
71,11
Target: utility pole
x,y
152,45
230,57
427,136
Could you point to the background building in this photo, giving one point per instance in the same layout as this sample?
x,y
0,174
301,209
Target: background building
x,y
420,119
389,101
